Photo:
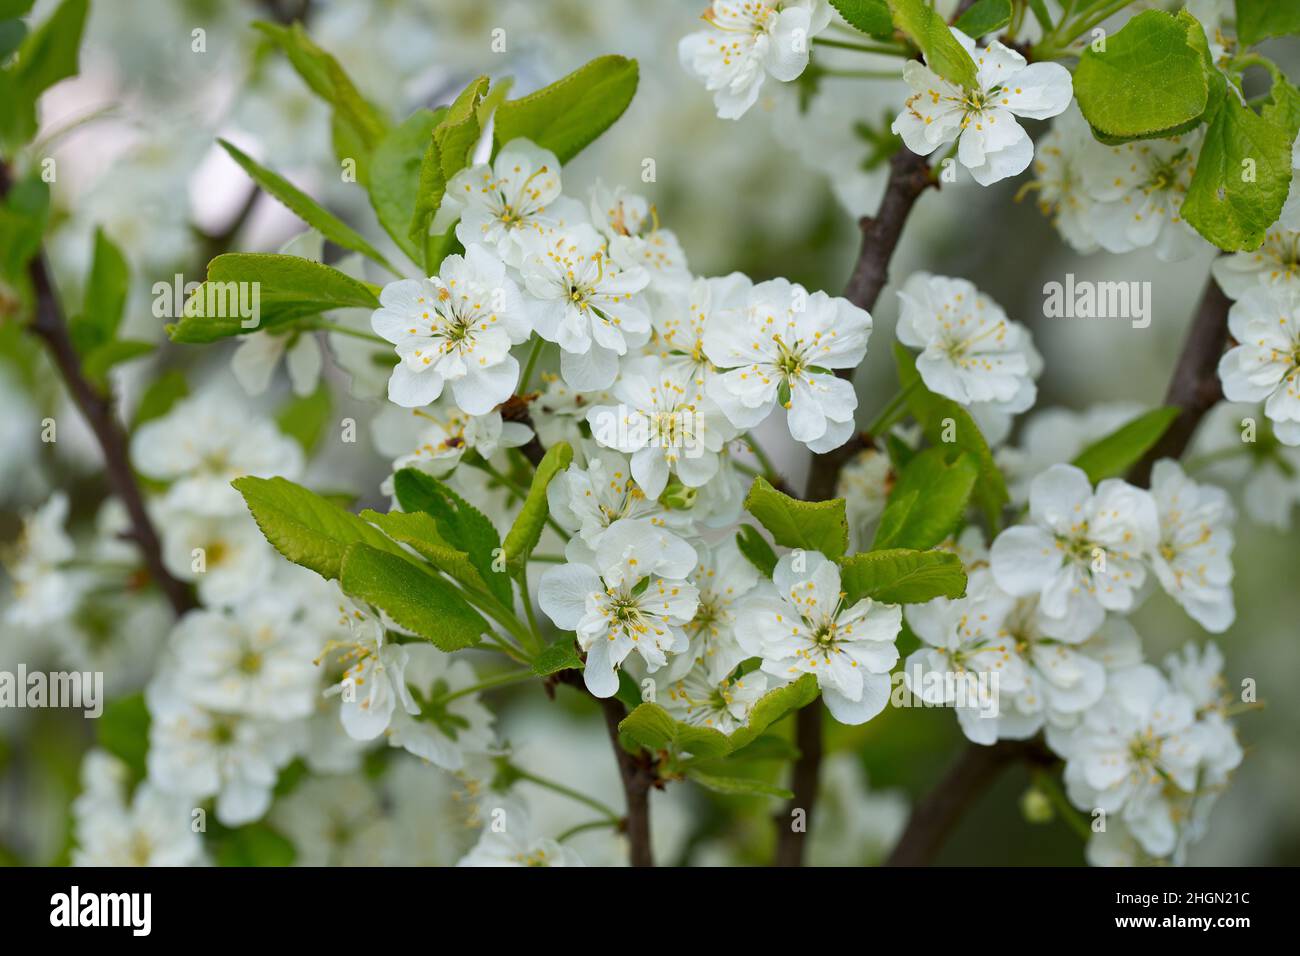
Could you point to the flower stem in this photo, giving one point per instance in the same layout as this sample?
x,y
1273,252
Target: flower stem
x,y
530,365
584,827
572,794
500,680
894,410
1047,783
327,325
884,49
769,469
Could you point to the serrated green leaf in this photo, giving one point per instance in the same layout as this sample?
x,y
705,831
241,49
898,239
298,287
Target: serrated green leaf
x,y
415,600
257,844
738,786
305,208
1257,19
1242,178
772,706
567,115
934,412
871,17
162,393
1114,455
123,730
810,525
105,297
985,16
1151,79
394,180
304,527
527,529
655,729
419,530
103,357
446,153
940,482
46,55
756,549
358,124
304,417
560,656
901,576
288,288
943,54
460,525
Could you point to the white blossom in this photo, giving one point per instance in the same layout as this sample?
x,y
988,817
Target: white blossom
x,y
1082,552
802,626
454,329
748,40
1193,557
982,120
634,598
584,301
1265,365
781,346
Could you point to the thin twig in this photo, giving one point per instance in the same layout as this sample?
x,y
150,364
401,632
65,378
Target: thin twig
x,y
97,408
1194,387
909,177
973,772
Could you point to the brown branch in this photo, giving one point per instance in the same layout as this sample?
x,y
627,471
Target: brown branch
x,y
97,408
909,177
636,772
807,769
973,772
1194,387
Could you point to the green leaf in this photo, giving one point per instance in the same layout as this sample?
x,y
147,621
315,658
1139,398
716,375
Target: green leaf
x,y
527,529
46,56
1041,14
1112,456
941,487
459,524
653,728
560,656
257,844
447,153
105,298
1151,79
417,601
1242,178
358,124
943,54
23,216
901,576
162,393
394,179
306,528
567,115
420,531
12,34
810,525
738,786
756,549
282,288
123,730
305,208
103,357
983,17
772,706
940,417
869,16
1257,19
304,417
